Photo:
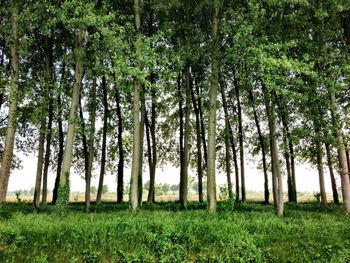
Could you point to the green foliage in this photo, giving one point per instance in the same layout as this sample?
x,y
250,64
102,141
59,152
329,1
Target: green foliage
x,y
249,233
63,196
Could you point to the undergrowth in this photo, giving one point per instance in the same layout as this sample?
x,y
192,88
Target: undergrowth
x,y
162,232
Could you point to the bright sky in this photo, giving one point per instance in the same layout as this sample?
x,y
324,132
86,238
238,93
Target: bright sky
x,y
306,178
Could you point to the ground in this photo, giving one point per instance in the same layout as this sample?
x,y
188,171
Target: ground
x,y
162,232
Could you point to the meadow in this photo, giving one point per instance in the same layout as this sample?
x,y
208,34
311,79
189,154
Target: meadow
x,y
161,232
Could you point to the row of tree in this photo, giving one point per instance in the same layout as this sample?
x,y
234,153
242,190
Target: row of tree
x,y
198,84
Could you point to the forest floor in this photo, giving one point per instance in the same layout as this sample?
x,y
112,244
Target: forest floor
x,y
248,232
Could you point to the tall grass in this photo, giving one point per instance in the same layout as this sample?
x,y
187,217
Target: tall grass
x,y
163,233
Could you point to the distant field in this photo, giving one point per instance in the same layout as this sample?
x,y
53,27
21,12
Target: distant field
x,y
163,198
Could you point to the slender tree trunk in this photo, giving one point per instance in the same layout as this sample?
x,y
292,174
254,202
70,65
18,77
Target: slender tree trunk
x,y
120,175
280,203
135,166
292,163
150,197
40,162
60,139
234,155
47,153
184,175
211,173
201,118
90,147
263,149
331,173
13,98
343,164
49,85
104,142
199,147
152,147
142,133
319,157
227,142
275,161
181,138
83,138
241,143
63,190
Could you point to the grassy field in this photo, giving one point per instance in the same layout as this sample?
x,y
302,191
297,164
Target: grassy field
x,y
163,233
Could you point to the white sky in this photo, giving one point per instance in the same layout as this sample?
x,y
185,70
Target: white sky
x,y
306,178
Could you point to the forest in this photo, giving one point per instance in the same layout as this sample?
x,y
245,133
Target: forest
x,y
101,86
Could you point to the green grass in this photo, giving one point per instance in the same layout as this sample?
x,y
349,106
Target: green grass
x,y
163,233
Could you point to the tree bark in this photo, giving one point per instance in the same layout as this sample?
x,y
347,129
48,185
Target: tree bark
x,y
120,175
241,142
184,175
63,190
90,147
319,156
49,84
343,164
199,147
13,98
40,161
201,118
135,167
60,139
152,147
263,149
104,142
142,133
211,172
227,142
275,161
331,173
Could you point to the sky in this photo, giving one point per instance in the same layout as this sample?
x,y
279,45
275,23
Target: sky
x,y
306,177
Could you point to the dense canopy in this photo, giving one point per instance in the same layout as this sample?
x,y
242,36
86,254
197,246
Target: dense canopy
x,y
197,84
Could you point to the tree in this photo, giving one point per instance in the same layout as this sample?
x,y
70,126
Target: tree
x,y
13,97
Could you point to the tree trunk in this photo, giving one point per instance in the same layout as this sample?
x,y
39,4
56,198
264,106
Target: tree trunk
x,y
201,118
343,164
184,177
152,146
150,197
181,138
234,155
241,143
104,142
63,190
135,166
199,147
292,163
49,85
13,98
90,147
83,138
319,157
275,161
40,162
331,173
263,149
211,173
120,175
142,133
60,137
227,142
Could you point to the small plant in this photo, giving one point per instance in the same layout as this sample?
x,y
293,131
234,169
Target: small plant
x,y
18,196
317,197
91,256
